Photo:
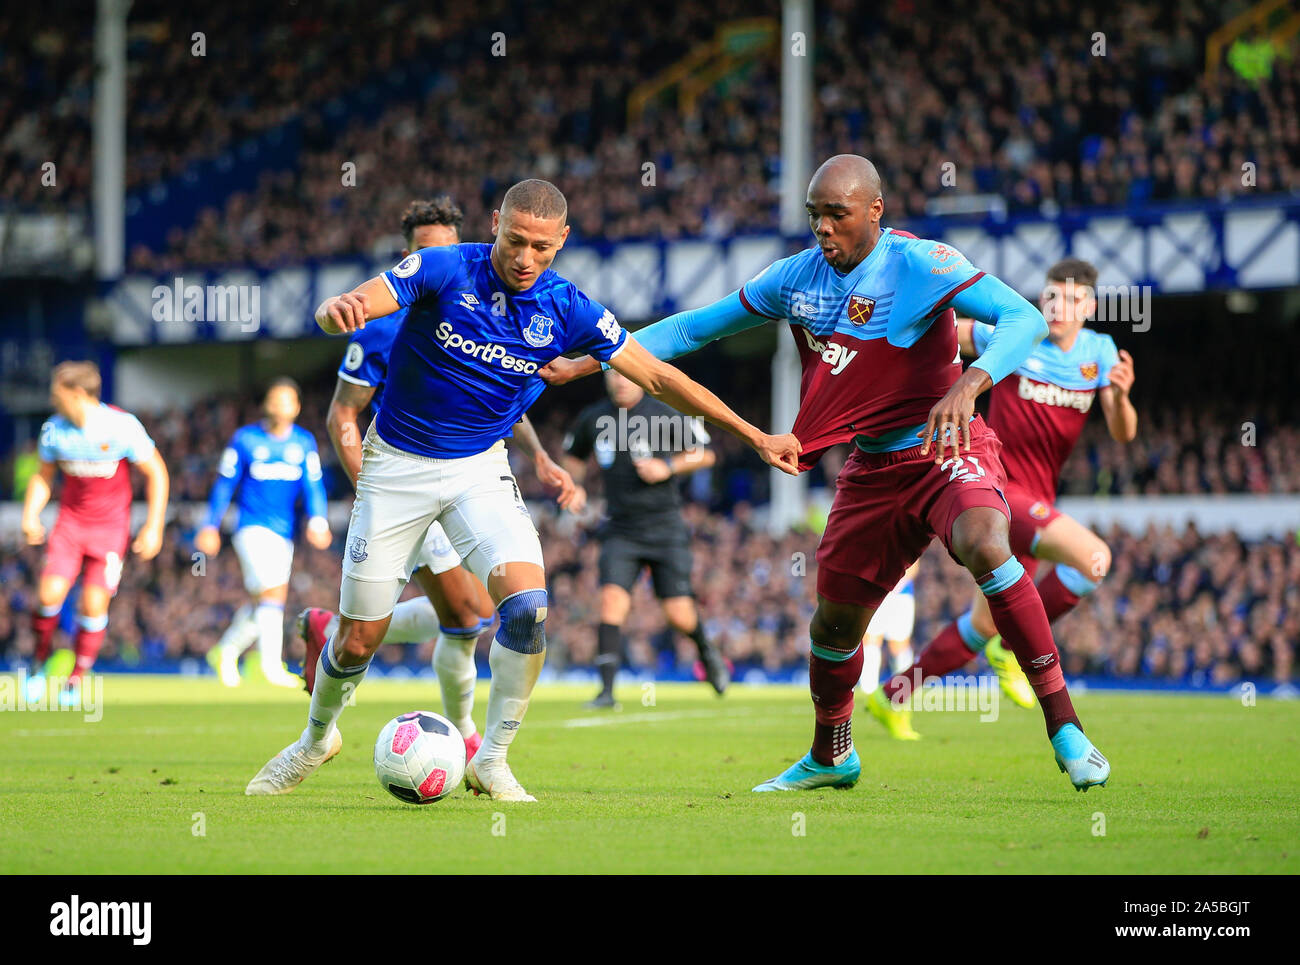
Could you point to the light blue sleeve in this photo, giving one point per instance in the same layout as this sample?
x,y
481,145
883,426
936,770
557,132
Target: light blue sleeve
x,y
45,450
685,332
422,273
1018,325
229,473
980,335
139,445
1107,356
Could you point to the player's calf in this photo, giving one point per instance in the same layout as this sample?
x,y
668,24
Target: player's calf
x,y
1082,562
979,539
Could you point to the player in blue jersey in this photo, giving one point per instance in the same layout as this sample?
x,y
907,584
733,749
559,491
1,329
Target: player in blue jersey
x,y
455,607
463,369
872,313
269,465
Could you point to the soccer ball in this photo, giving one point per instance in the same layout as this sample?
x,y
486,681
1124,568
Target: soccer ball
x,y
419,757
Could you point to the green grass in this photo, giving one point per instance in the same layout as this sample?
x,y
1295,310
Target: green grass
x,y
1201,784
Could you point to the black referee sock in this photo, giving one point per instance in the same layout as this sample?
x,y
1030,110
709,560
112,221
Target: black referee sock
x,y
609,656
698,636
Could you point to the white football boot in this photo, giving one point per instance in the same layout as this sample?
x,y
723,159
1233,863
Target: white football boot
x,y
495,779
287,769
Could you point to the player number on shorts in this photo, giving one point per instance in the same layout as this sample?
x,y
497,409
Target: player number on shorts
x,y
963,469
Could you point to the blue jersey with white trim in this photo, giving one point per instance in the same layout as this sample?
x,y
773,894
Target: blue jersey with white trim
x,y
462,370
365,361
269,473
1085,367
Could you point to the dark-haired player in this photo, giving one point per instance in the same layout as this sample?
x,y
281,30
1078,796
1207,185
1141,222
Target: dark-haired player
x,y
641,447
268,466
463,368
1038,413
872,313
455,607
91,443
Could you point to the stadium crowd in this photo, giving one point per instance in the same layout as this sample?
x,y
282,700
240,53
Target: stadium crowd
x,y
1114,109
1178,606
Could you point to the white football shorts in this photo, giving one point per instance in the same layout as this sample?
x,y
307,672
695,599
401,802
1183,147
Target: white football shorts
x,y
400,495
894,618
264,557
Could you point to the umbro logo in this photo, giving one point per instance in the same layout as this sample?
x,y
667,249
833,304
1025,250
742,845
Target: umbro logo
x,y
468,300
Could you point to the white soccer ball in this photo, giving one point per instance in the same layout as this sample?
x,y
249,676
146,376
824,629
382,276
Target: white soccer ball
x,y
419,757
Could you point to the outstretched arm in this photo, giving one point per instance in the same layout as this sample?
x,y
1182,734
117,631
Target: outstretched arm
x,y
670,337
671,385
1018,327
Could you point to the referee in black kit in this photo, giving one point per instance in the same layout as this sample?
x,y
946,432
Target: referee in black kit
x,y
641,446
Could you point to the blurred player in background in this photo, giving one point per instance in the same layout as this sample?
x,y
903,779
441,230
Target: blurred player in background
x,y
644,528
462,371
890,626
269,465
1039,414
90,443
455,607
924,464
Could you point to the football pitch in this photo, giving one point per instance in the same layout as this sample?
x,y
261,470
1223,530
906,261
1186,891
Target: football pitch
x,y
1200,785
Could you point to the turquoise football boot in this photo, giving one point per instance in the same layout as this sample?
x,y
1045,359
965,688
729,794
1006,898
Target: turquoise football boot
x,y
807,775
1077,757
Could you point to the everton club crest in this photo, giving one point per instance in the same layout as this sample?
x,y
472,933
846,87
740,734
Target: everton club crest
x,y
538,331
860,309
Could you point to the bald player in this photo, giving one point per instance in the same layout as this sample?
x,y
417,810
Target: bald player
x,y
872,313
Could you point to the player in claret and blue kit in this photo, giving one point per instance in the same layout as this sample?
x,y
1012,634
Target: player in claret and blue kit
x,y
872,313
91,443
1039,413
269,466
482,320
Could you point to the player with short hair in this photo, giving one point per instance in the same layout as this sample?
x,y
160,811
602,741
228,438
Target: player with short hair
x,y
462,370
269,465
641,446
455,607
872,313
90,442
1039,415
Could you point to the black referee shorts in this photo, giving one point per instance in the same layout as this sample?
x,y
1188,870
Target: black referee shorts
x,y
622,557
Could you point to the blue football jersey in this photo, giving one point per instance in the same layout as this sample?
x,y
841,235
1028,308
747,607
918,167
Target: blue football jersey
x,y
1086,366
365,361
269,474
463,367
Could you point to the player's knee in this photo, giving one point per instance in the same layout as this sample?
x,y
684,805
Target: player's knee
x,y
356,645
838,625
979,539
523,621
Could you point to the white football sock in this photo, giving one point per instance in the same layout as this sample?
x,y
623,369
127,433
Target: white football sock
x,y
870,678
453,659
514,675
334,686
900,661
414,621
270,643
241,633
